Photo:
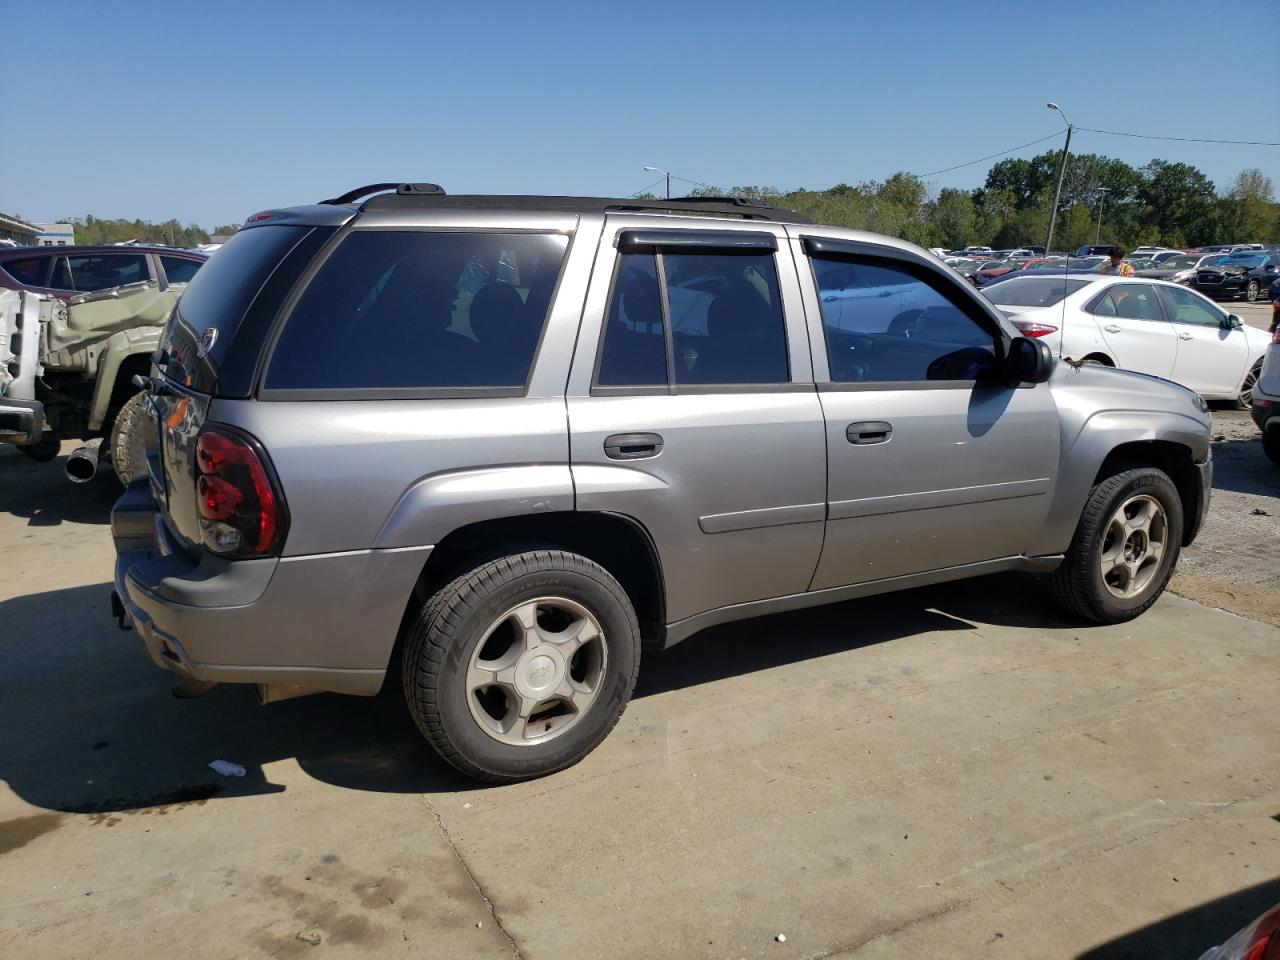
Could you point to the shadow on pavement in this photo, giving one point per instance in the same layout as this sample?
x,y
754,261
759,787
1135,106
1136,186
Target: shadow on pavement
x,y
42,494
1191,932
1242,467
91,726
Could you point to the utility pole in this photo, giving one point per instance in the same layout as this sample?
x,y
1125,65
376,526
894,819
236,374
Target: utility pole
x,y
1102,202
1062,170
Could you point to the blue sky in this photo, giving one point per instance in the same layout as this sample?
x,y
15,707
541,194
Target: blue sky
x,y
209,111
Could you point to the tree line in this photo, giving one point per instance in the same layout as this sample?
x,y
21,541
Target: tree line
x,y
96,230
1167,203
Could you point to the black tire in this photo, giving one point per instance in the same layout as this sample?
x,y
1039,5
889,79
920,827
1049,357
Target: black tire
x,y
1251,290
128,441
44,451
1271,444
449,626
1244,400
1078,583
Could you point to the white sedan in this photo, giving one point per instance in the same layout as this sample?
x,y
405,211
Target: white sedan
x,y
1150,326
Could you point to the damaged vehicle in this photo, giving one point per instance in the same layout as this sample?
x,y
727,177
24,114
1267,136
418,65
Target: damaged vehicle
x,y
67,369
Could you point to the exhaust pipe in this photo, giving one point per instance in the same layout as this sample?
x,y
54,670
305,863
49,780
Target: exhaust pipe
x,y
83,462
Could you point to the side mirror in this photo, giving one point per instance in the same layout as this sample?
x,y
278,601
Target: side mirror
x,y
1232,322
1028,361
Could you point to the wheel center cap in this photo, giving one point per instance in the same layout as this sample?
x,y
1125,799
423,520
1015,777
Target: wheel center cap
x,y
539,672
1136,548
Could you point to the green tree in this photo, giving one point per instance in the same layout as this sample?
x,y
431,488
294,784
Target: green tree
x,y
956,218
1248,212
1178,203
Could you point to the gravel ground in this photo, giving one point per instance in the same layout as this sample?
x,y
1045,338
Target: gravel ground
x,y
1235,562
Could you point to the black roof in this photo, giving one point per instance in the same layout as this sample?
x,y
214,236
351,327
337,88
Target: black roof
x,y
429,195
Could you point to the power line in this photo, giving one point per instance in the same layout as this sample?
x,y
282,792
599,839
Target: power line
x,y
1144,136
992,156
649,187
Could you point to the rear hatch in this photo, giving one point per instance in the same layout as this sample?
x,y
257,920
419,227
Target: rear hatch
x,y
211,347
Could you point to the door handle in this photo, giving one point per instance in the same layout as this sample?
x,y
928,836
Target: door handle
x,y
632,446
1112,328
1186,336
867,431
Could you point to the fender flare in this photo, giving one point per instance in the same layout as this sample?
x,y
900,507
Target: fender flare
x,y
115,350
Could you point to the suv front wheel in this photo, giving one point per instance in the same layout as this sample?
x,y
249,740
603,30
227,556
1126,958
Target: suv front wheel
x,y
1124,548
521,666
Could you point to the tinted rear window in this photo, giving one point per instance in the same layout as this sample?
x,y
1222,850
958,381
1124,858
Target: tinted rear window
x,y
217,298
1032,291
403,310
28,270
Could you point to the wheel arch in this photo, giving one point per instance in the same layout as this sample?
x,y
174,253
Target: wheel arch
x,y
124,354
619,543
1173,458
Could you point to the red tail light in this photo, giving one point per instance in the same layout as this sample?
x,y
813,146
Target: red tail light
x,y
1029,328
241,514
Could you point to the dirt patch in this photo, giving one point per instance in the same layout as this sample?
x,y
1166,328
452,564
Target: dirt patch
x,y
1235,562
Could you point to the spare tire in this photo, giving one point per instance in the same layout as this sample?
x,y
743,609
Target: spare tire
x,y
128,441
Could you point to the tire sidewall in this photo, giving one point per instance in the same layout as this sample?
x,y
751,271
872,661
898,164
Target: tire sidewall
x,y
622,641
1151,483
128,442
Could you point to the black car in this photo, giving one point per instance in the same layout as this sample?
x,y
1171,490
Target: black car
x,y
1246,274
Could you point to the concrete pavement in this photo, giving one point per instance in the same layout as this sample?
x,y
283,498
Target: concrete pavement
x,y
955,772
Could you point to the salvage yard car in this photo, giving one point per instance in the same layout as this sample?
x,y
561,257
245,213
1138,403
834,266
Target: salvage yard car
x,y
97,313
1244,275
1154,327
498,446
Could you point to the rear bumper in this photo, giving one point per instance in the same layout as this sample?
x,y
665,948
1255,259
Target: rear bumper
x,y
21,421
325,622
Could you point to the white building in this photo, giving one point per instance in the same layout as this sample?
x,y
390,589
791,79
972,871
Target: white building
x,y
56,235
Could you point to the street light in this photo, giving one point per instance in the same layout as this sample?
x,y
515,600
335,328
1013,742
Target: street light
x,y
1062,170
666,174
1102,200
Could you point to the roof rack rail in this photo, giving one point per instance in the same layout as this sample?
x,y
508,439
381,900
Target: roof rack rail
x,y
724,206
403,189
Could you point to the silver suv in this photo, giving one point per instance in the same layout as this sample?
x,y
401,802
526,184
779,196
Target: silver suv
x,y
500,445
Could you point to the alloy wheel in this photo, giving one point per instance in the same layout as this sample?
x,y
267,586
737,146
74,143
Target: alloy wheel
x,y
536,671
1134,544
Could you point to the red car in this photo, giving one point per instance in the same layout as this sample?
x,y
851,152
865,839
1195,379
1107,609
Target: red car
x,y
66,271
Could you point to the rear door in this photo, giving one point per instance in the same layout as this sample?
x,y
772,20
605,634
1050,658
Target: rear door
x,y
1135,328
932,461
1211,356
692,407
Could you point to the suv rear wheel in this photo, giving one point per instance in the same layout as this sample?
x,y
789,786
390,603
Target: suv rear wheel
x,y
521,666
1124,548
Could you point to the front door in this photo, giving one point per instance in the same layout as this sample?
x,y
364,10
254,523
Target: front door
x,y
932,461
692,408
1211,355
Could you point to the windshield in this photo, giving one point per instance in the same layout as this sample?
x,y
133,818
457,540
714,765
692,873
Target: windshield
x,y
1032,291
1179,263
1244,259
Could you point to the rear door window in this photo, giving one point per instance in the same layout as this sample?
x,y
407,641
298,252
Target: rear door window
x,y
1130,301
100,271
721,324
31,271
406,310
180,269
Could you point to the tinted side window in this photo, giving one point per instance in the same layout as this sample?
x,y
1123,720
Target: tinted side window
x,y
179,269
726,318
1186,307
98,271
887,323
635,345
28,270
392,309
1135,301
725,314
